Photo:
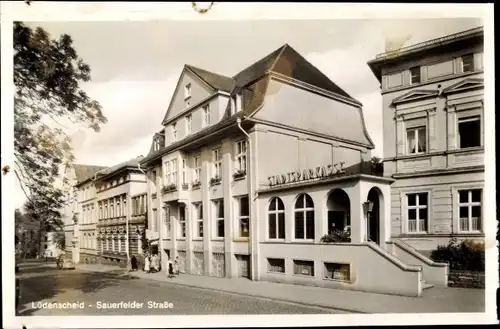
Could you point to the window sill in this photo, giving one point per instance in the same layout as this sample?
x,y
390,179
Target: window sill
x,y
276,240
470,232
279,273
337,280
237,178
180,239
305,241
416,233
197,239
241,239
304,276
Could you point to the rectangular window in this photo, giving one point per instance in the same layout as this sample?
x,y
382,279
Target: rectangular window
x,y
182,222
198,207
174,131
154,220
217,163
468,63
416,140
189,120
206,115
244,216
469,132
168,224
174,171
337,271
469,209
276,265
112,209
187,91
303,267
197,168
241,156
219,218
415,75
417,204
184,171
118,208
168,177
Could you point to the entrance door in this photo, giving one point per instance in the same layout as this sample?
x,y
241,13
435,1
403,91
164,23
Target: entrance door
x,y
243,265
336,220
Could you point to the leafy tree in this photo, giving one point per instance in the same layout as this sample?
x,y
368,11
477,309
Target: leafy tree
x,y
60,240
47,77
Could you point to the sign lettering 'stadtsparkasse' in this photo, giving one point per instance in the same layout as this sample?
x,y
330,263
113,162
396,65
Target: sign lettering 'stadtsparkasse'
x,y
320,172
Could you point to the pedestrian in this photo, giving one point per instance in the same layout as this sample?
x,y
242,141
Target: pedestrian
x,y
170,269
147,263
155,263
176,265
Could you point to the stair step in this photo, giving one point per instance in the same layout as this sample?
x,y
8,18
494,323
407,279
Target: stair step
x,y
426,285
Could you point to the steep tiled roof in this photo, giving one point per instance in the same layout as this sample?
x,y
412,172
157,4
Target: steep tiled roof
x,y
216,81
84,172
126,164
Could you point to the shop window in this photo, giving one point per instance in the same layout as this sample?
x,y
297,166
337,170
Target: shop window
x,y
469,132
303,267
219,218
276,265
244,216
199,220
182,222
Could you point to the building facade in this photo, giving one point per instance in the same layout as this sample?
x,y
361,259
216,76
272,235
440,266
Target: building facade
x,y
49,247
250,172
433,121
120,212
80,212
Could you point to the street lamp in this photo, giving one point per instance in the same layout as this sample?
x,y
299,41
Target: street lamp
x,y
367,208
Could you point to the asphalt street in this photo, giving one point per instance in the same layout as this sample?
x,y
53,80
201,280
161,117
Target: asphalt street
x,y
95,293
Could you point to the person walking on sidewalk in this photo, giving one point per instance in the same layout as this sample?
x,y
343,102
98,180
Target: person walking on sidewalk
x,y
176,265
170,269
147,263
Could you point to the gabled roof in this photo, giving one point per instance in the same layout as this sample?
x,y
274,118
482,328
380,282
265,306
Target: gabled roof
x,y
84,172
288,62
214,80
466,84
415,95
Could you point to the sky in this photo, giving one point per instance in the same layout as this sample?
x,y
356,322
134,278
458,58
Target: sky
x,y
135,66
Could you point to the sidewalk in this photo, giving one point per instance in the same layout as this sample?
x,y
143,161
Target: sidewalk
x,y
434,300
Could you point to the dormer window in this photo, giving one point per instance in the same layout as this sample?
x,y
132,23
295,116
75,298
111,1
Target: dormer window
x,y
156,146
174,131
189,120
206,115
187,91
239,99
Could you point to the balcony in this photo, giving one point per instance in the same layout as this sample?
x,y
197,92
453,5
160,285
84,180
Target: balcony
x,y
196,184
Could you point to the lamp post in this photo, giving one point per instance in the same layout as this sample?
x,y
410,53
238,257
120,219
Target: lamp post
x,y
367,208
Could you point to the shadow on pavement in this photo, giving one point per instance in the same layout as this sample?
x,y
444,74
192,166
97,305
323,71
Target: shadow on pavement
x,y
47,282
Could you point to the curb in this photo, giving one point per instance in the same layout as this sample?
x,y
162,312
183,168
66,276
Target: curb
x,y
284,300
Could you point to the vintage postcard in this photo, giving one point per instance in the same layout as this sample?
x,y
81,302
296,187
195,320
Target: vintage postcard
x,y
239,164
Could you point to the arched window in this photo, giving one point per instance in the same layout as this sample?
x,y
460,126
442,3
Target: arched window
x,y
304,217
276,219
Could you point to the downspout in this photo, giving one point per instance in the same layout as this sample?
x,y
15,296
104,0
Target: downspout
x,y
148,205
251,196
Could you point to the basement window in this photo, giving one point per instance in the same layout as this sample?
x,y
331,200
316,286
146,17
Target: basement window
x,y
336,271
276,265
303,267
